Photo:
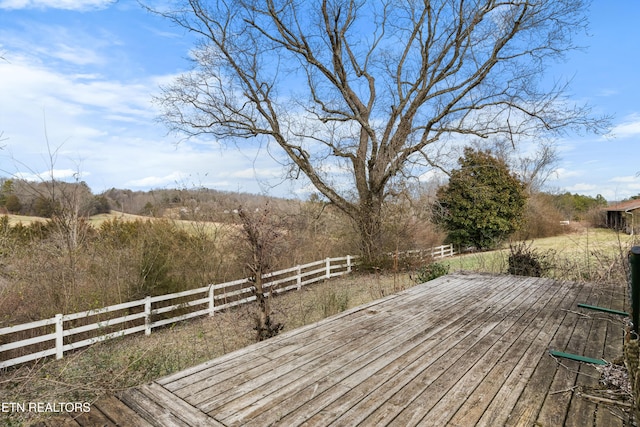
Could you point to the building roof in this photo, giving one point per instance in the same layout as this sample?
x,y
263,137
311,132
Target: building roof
x,y
629,205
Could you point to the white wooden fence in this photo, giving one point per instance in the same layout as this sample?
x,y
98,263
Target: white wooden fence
x,y
67,332
435,253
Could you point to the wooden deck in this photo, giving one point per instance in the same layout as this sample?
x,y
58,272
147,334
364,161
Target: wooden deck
x,y
462,350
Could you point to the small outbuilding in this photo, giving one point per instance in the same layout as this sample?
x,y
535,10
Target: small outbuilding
x,y
624,216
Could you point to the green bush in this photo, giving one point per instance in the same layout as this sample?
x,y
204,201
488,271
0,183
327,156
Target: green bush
x,y
482,204
13,204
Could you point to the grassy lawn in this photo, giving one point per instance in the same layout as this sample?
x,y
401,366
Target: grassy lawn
x,y
586,254
587,239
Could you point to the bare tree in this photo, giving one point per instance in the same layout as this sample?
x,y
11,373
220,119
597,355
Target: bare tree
x,y
361,95
536,169
533,168
66,205
263,241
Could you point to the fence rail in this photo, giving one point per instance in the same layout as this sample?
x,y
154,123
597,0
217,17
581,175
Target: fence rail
x,y
67,332
437,252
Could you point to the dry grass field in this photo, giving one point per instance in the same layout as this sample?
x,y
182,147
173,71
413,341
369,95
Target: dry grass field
x,y
23,219
96,221
585,253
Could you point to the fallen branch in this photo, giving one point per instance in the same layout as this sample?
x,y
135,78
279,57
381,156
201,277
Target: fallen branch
x,y
577,312
571,389
597,399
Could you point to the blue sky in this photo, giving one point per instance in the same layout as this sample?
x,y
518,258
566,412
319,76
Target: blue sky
x,y
78,76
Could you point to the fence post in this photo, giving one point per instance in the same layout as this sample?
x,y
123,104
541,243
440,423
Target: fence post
x,y
299,276
348,263
212,302
634,264
328,262
442,251
59,337
147,316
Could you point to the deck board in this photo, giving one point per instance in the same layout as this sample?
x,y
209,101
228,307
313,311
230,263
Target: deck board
x,y
527,409
462,350
501,381
554,408
118,413
390,357
459,367
594,347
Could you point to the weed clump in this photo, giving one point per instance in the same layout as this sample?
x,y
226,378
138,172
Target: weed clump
x,y
430,272
527,261
333,302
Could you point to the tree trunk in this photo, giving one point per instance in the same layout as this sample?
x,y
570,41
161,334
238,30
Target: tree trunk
x,y
369,225
264,327
263,307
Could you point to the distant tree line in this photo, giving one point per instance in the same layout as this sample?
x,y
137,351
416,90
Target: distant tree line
x,y
576,207
191,203
44,199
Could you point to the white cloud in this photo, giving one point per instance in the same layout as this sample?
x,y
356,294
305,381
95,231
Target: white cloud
x,y
77,91
80,5
157,181
563,173
607,92
306,191
251,173
58,174
630,179
36,94
101,126
245,173
581,187
432,175
77,55
628,128
68,49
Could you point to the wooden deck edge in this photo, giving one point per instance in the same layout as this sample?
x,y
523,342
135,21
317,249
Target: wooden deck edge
x,y
106,411
160,407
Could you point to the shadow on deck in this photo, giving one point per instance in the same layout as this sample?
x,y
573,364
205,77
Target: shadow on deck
x,y
462,350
